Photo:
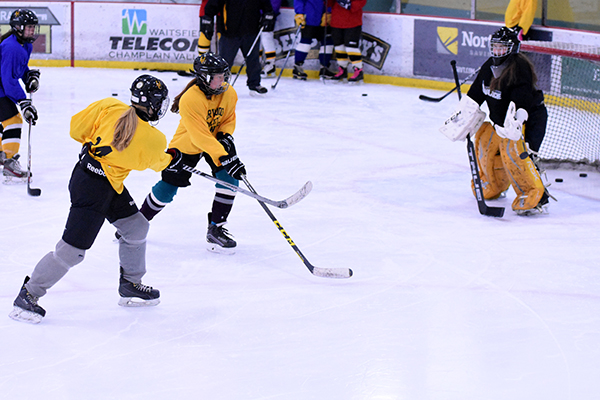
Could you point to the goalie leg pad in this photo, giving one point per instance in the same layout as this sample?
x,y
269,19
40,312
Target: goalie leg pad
x,y
524,176
494,179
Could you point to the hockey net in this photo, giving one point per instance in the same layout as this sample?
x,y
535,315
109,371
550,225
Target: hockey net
x,y
569,75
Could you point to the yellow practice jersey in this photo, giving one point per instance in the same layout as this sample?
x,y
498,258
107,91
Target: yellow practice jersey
x,y
202,119
520,12
96,124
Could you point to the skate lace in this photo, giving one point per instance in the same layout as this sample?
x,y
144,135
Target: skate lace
x,y
142,288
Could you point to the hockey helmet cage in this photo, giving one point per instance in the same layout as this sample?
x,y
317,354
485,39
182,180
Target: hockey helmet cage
x,y
21,18
503,43
206,67
152,94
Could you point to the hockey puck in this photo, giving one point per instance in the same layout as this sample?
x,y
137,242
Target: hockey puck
x,y
583,175
115,94
558,180
364,94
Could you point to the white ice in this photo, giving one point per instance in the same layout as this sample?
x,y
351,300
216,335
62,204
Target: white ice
x,y
444,304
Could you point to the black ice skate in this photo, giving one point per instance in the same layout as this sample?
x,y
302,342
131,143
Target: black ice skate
x,y
326,73
13,173
137,294
26,308
357,76
341,75
258,90
299,72
220,240
268,71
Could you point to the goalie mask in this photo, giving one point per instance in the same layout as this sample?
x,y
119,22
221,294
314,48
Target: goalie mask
x,y
503,43
152,94
212,73
25,24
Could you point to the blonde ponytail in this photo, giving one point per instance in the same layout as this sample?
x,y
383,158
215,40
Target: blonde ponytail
x,y
125,129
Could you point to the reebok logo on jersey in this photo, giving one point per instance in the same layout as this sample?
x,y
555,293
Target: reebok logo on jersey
x,y
447,40
97,171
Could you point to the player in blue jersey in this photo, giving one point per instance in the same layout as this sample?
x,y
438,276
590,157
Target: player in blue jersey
x,y
15,50
314,18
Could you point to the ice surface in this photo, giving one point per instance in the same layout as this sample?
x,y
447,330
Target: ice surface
x,y
444,303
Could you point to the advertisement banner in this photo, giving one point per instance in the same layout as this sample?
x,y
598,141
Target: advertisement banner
x,y
438,42
136,33
54,20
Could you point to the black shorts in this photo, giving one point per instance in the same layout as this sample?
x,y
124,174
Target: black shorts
x,y
346,36
8,109
93,200
182,179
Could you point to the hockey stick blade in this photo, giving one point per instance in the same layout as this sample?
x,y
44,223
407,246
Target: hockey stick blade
x,y
436,99
320,272
35,192
290,201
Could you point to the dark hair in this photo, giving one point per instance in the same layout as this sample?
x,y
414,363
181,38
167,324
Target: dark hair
x,y
175,106
6,35
510,74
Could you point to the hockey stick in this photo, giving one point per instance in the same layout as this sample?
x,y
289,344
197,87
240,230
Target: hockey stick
x,y
30,191
290,201
287,56
484,209
321,272
438,99
248,54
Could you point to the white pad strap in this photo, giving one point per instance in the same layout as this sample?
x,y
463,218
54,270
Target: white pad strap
x,y
513,123
465,121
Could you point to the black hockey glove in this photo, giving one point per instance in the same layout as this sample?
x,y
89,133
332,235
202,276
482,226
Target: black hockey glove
x,y
345,3
207,26
176,165
232,164
28,110
32,81
267,22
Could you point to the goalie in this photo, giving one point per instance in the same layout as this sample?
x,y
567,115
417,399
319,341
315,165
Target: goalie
x,y
507,146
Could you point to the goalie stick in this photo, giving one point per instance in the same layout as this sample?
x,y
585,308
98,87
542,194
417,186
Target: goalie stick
x,y
484,209
290,201
35,192
320,272
438,99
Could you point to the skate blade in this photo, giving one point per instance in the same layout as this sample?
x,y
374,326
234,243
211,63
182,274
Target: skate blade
x,y
14,180
215,248
18,314
541,210
361,82
137,302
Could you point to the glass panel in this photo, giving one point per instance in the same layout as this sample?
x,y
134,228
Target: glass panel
x,y
577,14
449,8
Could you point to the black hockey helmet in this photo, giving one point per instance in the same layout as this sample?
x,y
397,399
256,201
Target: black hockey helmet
x,y
152,94
503,43
206,67
19,19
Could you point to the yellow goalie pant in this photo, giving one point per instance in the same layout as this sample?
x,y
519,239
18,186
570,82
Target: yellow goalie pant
x,y
503,163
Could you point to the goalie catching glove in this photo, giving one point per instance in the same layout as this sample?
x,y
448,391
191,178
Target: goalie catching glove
x,y
465,121
513,123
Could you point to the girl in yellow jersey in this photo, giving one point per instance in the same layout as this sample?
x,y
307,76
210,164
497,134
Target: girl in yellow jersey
x,y
116,139
207,110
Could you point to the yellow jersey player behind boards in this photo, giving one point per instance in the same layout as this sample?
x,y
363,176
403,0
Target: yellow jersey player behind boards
x,y
207,110
116,139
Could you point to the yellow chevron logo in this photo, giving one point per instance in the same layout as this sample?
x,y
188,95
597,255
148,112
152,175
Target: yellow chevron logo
x,y
447,42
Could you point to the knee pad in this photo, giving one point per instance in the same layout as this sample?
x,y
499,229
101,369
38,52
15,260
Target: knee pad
x,y
524,176
494,180
133,229
68,255
164,192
